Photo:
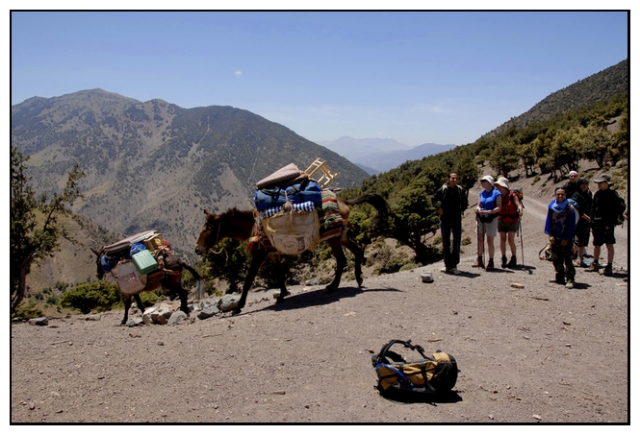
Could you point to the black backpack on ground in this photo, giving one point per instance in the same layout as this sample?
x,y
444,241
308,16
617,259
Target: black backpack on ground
x,y
421,380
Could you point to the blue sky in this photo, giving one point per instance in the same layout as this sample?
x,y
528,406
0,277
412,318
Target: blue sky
x,y
416,77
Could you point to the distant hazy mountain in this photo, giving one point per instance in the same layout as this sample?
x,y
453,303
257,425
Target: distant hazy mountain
x,y
384,161
355,149
368,170
155,165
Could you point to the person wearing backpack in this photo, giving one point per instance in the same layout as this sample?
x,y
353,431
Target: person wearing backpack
x,y
508,221
583,198
451,201
560,226
489,203
607,210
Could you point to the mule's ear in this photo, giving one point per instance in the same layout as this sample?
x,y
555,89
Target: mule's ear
x,y
95,251
206,212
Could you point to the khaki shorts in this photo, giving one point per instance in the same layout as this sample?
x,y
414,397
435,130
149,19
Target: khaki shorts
x,y
491,228
508,227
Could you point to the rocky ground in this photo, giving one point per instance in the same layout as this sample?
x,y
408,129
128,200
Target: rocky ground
x,y
529,351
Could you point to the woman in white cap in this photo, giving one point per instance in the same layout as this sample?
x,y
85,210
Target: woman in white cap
x,y
508,221
489,204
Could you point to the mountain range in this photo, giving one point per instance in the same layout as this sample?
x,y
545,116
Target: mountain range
x,y
154,165
376,155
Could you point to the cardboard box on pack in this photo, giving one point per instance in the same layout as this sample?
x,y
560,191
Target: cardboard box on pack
x,y
144,262
129,280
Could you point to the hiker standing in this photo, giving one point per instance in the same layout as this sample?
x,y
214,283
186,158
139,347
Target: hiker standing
x,y
605,208
571,186
451,201
583,198
489,203
561,227
508,221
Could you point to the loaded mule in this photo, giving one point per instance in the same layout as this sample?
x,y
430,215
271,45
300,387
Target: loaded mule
x,y
168,276
243,225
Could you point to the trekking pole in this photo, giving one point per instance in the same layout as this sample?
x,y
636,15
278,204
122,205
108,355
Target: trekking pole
x,y
521,242
484,230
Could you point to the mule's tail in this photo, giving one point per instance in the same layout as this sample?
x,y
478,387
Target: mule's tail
x,y
198,278
377,201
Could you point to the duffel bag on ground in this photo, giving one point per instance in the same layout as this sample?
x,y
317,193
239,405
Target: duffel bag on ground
x,y
416,380
308,190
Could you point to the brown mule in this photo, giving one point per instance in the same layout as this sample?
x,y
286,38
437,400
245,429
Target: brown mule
x,y
241,225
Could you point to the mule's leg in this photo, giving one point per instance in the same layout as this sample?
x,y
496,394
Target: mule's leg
x,y
257,258
184,295
127,305
341,260
358,252
280,271
139,302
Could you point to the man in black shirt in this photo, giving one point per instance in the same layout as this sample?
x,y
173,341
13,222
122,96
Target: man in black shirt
x,y
451,201
605,208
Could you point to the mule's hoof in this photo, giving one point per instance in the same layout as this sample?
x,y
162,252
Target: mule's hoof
x,y
236,312
359,281
330,288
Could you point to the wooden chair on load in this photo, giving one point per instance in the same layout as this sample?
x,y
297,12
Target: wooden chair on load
x,y
327,176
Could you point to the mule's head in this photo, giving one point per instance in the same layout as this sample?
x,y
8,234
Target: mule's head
x,y
210,233
99,271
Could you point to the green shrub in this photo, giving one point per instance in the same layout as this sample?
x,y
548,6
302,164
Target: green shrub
x,y
409,266
96,295
26,312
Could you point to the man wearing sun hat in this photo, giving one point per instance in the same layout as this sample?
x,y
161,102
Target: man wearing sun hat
x,y
605,208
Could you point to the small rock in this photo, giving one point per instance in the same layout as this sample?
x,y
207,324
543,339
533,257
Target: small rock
x,y
94,317
517,285
537,417
158,319
313,281
39,321
228,302
136,321
177,317
208,312
280,392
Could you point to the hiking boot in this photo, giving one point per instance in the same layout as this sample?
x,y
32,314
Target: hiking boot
x,y
594,267
455,271
478,263
608,270
512,262
569,284
444,269
490,265
559,279
504,261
